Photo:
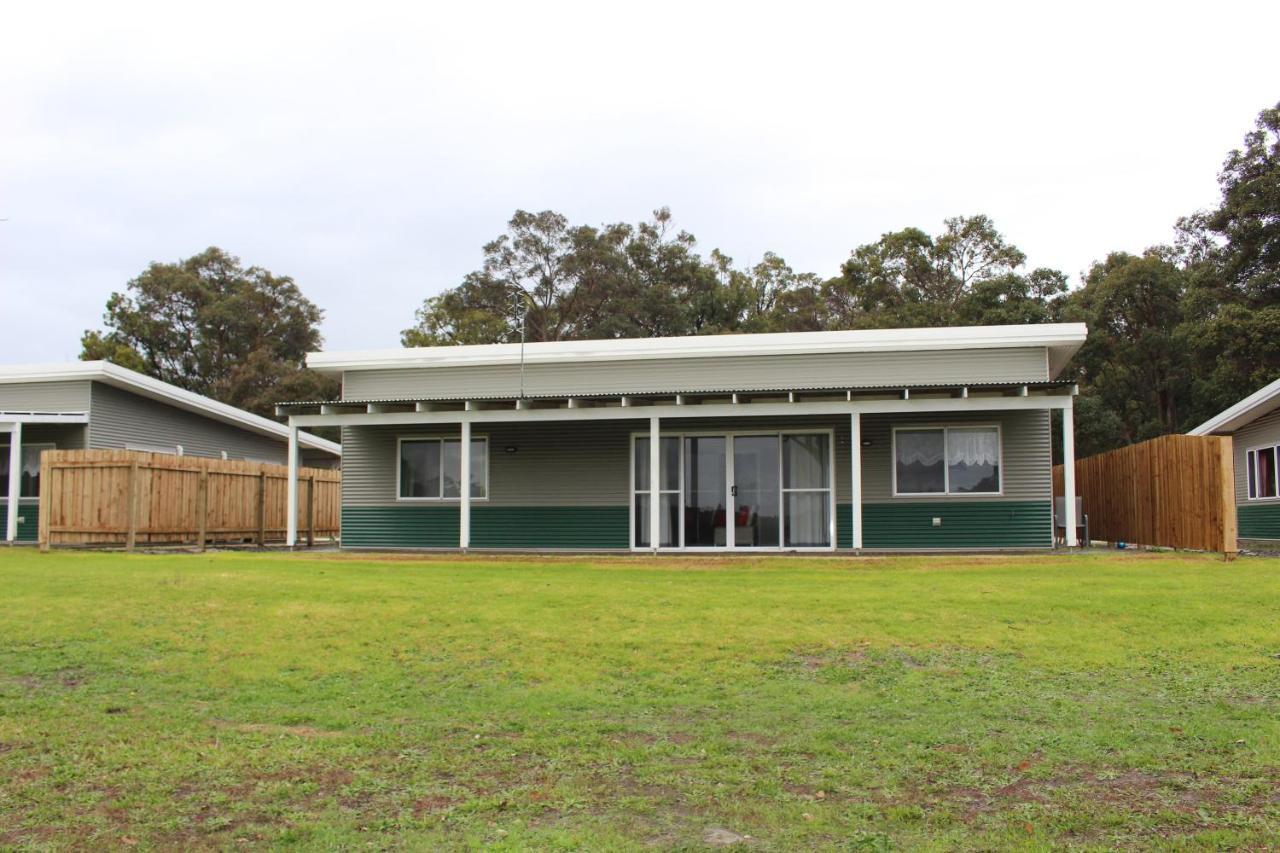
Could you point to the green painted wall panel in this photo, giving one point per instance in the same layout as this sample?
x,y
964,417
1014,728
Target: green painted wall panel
x,y
403,526
415,526
965,524
589,527
1258,521
844,525
29,523
906,525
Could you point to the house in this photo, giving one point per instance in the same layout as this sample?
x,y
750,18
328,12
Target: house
x,y
97,405
1254,427
815,441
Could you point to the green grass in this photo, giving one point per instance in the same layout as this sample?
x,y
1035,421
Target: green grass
x,y
941,702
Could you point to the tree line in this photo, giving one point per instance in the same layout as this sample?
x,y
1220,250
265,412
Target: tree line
x,y
1176,333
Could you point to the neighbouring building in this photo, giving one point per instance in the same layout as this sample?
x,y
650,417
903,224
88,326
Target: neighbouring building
x,y
893,439
98,405
1254,427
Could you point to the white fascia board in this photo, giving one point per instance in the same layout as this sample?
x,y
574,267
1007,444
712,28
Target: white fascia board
x,y
1061,339
7,419
1259,403
147,386
717,410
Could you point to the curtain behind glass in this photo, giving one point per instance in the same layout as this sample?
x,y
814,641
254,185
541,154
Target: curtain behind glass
x,y
973,459
918,460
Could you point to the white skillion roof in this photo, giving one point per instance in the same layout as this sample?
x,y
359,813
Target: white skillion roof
x,y
146,386
1248,410
1061,340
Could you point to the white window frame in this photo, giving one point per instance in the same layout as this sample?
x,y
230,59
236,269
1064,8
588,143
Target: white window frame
x,y
26,445
729,435
783,490
946,462
488,467
678,491
1251,457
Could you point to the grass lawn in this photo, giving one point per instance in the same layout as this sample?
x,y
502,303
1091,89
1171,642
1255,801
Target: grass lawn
x,y
324,701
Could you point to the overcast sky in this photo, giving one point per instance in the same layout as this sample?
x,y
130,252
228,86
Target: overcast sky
x,y
369,150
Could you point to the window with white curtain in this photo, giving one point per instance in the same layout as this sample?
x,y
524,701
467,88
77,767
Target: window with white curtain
x,y
29,478
946,460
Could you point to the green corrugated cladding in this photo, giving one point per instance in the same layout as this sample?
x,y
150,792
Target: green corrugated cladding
x,y
965,524
588,527
905,525
416,526
1258,521
403,526
28,521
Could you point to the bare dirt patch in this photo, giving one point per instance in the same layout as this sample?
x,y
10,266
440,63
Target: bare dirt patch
x,y
1133,790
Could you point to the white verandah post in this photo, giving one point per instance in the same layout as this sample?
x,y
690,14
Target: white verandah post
x,y
655,471
855,476
464,489
15,482
291,508
1069,472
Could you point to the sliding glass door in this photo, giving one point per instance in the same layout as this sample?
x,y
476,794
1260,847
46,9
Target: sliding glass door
x,y
806,490
704,487
756,500
738,491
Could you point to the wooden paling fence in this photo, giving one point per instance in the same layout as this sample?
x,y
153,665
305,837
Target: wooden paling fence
x,y
130,498
1175,491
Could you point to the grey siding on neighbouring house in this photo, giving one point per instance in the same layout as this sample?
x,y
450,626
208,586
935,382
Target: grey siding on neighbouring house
x,y
738,373
69,396
588,463
1264,432
317,459
118,418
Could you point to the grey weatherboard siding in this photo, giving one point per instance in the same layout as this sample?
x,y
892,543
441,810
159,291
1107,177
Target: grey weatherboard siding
x,y
567,485
118,418
738,373
70,396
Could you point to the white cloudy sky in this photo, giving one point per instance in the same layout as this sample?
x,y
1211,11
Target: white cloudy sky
x,y
369,150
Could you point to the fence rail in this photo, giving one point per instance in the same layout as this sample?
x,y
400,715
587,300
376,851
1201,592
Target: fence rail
x,y
1175,491
127,497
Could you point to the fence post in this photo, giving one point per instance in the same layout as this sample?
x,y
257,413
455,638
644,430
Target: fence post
x,y
202,509
46,469
262,507
1227,478
131,537
311,511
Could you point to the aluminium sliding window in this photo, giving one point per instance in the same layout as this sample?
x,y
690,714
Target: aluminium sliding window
x,y
431,469
959,460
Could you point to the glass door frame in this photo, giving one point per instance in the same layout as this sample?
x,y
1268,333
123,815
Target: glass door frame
x,y
730,545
